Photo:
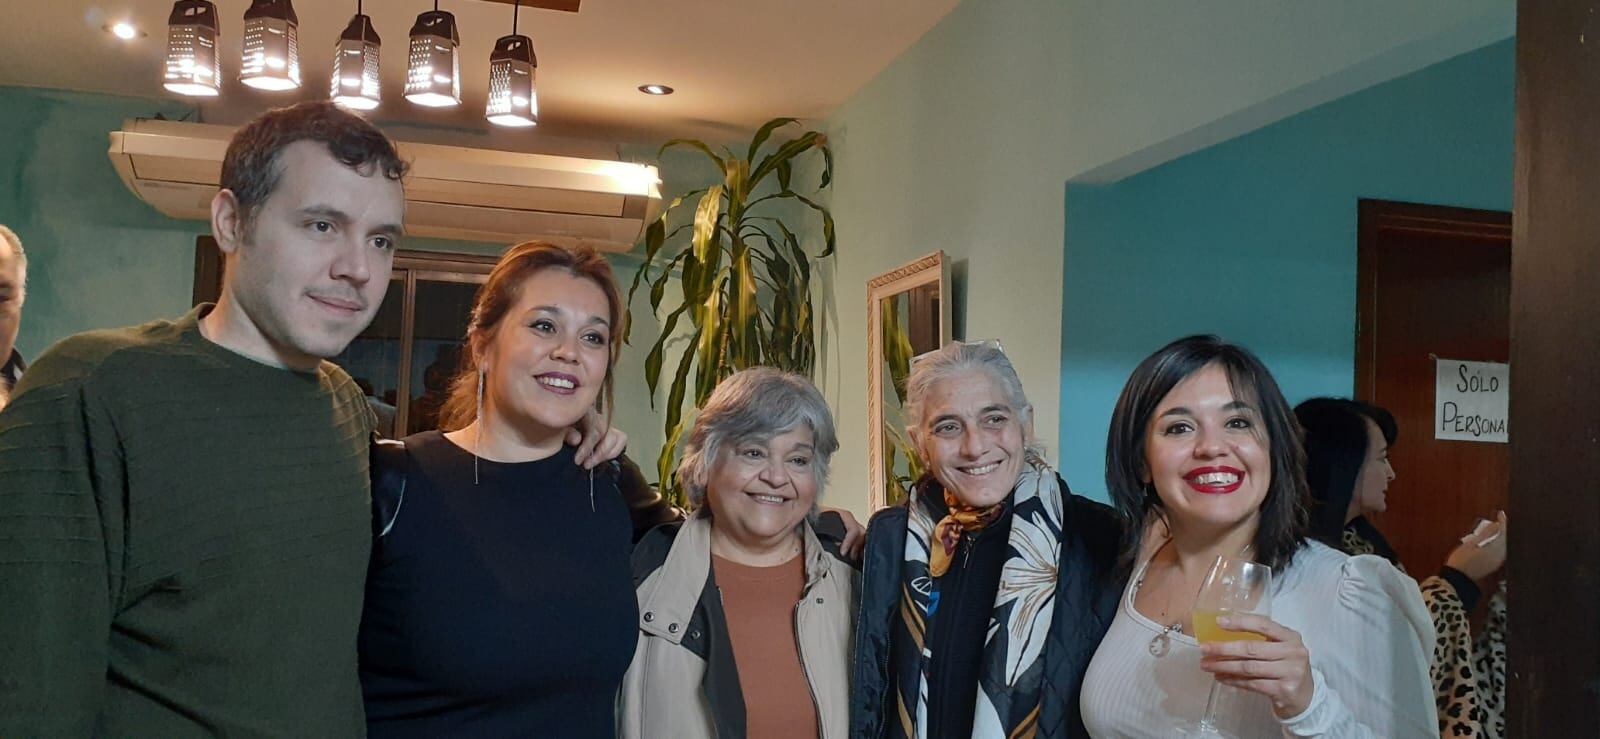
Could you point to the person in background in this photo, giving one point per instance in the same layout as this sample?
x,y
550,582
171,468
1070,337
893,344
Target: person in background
x,y
423,414
1347,466
746,613
13,291
1203,459
384,412
985,592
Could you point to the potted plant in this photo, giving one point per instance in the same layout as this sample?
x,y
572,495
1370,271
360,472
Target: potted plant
x,y
741,276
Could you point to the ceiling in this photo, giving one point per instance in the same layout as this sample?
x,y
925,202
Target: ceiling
x,y
734,63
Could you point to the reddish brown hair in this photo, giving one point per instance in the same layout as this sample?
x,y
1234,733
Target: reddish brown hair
x,y
499,294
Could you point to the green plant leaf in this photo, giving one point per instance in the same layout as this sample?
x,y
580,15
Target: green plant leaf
x,y
674,421
705,226
827,224
897,349
764,132
671,487
692,143
787,151
736,185
652,362
827,165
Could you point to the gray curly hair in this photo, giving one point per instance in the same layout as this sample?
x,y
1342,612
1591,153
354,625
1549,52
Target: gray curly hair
x,y
756,404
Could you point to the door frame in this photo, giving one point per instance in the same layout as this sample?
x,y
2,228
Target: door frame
x,y
1374,217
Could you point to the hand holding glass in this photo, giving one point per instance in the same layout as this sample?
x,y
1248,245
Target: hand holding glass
x,y
1232,586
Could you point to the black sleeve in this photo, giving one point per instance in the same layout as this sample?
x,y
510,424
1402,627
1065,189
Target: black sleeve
x,y
388,463
1465,588
830,531
646,507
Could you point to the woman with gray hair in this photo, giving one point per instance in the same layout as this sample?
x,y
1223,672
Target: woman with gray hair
x,y
745,614
986,591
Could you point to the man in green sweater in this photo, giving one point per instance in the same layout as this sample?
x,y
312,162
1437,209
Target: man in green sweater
x,y
184,510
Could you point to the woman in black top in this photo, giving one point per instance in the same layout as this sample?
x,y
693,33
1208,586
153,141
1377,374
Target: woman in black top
x,y
500,599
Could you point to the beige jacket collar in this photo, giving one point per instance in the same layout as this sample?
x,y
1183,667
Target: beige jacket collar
x,y
668,600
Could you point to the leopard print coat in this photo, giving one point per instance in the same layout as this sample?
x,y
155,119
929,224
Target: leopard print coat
x,y
1468,675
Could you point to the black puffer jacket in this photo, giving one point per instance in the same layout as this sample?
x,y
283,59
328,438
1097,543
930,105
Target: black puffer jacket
x,y
1087,589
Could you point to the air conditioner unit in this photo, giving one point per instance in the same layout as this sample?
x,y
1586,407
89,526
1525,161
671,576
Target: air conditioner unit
x,y
452,192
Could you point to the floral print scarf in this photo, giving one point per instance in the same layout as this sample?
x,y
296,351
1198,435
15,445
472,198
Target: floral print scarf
x,y
1012,673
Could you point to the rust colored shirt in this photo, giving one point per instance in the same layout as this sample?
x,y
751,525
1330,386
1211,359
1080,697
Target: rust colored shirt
x,y
760,604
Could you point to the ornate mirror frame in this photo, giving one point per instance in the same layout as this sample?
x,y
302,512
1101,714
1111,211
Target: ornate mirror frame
x,y
929,270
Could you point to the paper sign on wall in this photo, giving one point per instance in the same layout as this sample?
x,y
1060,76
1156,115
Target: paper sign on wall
x,y
1470,401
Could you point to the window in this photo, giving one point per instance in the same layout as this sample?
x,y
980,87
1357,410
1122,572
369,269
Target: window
x,y
405,360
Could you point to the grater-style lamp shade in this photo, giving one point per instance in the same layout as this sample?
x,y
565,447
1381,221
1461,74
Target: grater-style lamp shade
x,y
512,91
355,66
433,70
192,49
271,46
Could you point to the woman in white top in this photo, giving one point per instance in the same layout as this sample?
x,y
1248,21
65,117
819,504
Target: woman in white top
x,y
1204,459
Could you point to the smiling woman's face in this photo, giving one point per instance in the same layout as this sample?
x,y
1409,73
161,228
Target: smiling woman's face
x,y
1207,453
546,362
760,491
972,439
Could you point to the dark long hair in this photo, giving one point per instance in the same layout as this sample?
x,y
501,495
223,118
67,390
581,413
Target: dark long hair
x,y
1282,529
1336,448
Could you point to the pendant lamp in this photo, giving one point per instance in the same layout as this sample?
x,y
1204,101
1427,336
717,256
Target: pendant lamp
x,y
433,70
512,69
192,49
271,46
356,82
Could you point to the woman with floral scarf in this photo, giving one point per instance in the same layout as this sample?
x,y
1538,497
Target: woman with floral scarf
x,y
985,593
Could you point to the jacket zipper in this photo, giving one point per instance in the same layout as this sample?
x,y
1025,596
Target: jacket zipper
x,y
800,652
879,726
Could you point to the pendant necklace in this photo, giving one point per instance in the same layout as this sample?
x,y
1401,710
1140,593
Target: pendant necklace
x,y
1161,644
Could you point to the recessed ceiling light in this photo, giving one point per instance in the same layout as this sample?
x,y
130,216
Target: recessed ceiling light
x,y
655,89
124,30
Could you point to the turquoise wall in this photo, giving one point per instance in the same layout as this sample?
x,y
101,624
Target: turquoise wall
x,y
965,143
1255,238
98,257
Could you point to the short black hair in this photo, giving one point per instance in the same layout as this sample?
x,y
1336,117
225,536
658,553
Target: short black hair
x,y
1336,448
1282,530
250,167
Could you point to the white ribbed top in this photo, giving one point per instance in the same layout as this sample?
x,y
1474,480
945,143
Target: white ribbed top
x,y
1363,621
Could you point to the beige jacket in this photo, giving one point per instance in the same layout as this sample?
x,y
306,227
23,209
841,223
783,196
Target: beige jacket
x,y
683,683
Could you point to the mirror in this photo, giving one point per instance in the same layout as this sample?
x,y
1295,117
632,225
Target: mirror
x,y
908,314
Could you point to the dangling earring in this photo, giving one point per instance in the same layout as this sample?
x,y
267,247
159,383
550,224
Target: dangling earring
x,y
477,428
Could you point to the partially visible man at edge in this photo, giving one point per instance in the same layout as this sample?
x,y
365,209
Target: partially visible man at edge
x,y
13,290
184,511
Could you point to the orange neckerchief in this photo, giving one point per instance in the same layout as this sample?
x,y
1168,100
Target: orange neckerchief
x,y
961,519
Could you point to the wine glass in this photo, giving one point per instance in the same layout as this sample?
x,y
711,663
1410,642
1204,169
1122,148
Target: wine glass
x,y
1232,586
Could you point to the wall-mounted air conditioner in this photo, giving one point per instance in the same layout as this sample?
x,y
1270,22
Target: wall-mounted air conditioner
x,y
452,192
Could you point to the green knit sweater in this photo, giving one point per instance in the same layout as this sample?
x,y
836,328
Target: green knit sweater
x,y
184,533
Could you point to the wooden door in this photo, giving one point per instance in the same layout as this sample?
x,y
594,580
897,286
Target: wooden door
x,y
1433,283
